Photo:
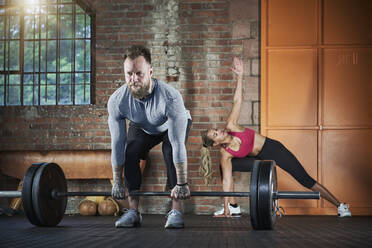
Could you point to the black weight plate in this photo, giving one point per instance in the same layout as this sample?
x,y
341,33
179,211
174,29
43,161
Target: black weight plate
x,y
27,194
274,200
49,210
253,195
266,218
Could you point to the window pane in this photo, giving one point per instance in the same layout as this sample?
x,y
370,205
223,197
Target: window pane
x,y
78,9
14,79
30,79
48,95
36,9
1,90
52,9
65,52
28,95
14,90
65,95
2,28
79,55
14,27
1,95
43,9
29,8
87,26
48,89
14,55
82,92
87,55
51,78
43,20
36,95
52,56
65,8
65,88
79,26
52,26
65,26
14,95
42,78
36,56
65,78
15,2
82,95
30,27
30,89
43,56
1,55
28,58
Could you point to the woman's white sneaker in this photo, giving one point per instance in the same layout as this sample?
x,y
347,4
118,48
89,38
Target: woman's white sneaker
x,y
343,210
233,211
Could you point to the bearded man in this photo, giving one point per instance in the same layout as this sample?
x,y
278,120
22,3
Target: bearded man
x,y
157,114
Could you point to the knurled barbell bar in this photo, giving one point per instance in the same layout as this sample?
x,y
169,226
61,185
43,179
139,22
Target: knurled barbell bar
x,y
44,194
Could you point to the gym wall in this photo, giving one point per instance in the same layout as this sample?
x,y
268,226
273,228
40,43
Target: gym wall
x,y
192,44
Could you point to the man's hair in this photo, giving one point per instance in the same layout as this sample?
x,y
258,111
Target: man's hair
x,y
138,50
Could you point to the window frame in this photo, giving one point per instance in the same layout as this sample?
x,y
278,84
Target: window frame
x,y
88,10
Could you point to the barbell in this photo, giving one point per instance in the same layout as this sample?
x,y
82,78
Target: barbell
x,y
44,194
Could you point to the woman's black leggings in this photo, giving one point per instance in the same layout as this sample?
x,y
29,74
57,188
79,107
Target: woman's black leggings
x,y
274,150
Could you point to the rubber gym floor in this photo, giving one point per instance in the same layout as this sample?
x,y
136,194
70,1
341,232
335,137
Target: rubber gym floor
x,y
199,231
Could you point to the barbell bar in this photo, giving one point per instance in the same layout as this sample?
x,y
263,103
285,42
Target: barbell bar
x,y
44,194
277,195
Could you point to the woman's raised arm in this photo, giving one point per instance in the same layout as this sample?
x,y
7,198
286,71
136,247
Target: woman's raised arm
x,y
233,118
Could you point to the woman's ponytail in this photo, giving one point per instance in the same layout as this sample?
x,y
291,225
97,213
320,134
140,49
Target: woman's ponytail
x,y
206,162
206,165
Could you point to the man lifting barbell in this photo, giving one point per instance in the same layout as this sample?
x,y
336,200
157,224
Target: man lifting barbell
x,y
157,114
241,143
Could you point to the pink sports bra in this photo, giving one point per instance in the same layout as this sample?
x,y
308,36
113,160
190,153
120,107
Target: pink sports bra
x,y
246,147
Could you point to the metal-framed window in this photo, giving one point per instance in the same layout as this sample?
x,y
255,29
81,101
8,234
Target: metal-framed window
x,y
46,49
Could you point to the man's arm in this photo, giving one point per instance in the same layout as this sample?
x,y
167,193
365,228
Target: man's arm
x,y
117,126
177,121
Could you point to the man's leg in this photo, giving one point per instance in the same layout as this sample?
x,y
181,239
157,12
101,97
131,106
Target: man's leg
x,y
138,144
174,219
124,204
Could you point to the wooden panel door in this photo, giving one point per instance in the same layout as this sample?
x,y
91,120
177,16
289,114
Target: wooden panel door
x,y
316,93
345,148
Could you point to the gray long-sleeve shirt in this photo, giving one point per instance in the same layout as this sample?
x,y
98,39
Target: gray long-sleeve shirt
x,y
160,111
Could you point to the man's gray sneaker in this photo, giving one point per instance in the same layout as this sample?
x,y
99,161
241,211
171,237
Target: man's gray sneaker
x,y
130,218
174,219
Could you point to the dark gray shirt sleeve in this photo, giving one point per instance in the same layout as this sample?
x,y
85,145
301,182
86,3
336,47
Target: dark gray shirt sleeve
x,y
118,132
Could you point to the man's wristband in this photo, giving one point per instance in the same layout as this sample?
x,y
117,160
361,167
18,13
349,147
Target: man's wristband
x,y
182,184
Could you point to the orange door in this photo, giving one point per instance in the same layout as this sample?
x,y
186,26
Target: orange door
x,y
316,91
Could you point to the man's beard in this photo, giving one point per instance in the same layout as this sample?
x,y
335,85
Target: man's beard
x,y
141,92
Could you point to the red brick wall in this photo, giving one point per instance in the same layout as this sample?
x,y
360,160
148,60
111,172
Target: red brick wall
x,y
192,44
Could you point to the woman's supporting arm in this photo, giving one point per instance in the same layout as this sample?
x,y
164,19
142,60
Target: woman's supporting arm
x,y
227,178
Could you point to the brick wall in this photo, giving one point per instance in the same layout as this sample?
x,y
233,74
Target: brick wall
x,y
192,44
